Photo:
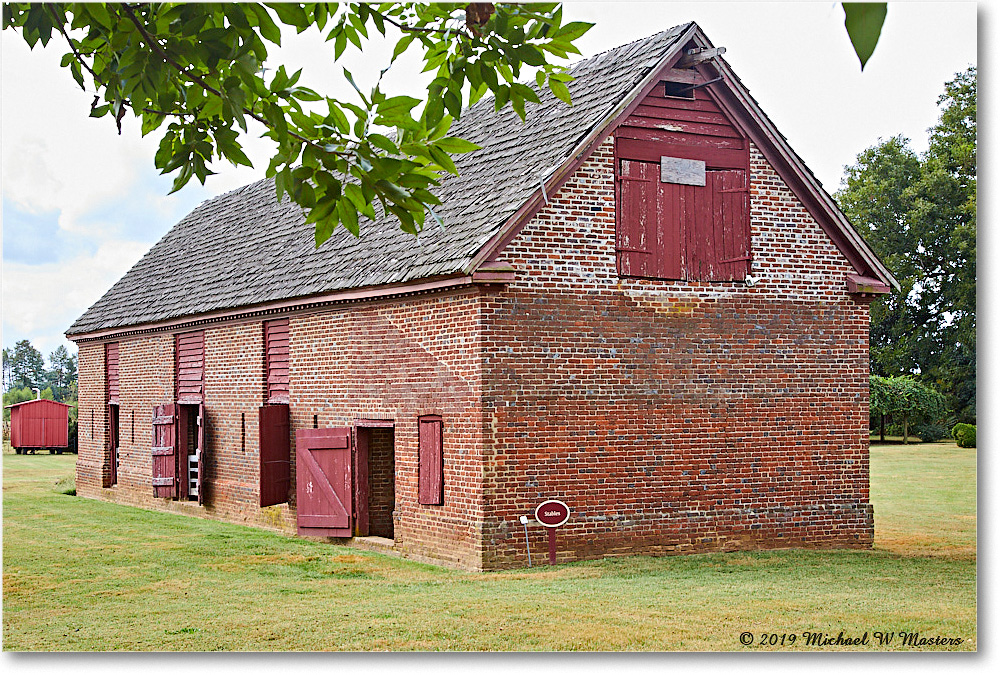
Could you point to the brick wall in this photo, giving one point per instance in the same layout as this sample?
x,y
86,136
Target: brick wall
x,y
675,416
397,360
92,467
393,360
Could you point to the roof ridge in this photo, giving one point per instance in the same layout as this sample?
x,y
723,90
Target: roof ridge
x,y
680,28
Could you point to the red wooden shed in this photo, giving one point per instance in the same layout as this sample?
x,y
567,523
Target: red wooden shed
x,y
39,424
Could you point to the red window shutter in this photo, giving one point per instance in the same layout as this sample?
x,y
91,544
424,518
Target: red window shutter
x,y
111,370
635,233
190,362
275,454
719,235
675,210
731,206
431,460
164,451
276,360
650,213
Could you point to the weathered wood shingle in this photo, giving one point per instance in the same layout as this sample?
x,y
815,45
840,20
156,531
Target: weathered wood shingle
x,y
244,248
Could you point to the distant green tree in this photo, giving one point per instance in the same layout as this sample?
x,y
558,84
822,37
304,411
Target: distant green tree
x,y
919,215
905,400
946,209
27,367
61,372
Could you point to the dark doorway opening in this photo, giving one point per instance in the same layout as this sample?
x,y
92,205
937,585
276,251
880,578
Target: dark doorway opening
x,y
113,441
190,459
375,496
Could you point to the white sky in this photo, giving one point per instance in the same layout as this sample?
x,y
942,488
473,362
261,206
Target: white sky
x,y
81,204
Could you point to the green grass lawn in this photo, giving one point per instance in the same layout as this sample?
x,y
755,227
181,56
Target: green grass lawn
x,y
85,575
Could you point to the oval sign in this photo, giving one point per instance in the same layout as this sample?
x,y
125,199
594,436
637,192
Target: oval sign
x,y
552,513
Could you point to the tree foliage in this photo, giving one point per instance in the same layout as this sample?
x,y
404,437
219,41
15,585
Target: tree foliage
x,y
906,400
918,212
61,373
194,74
26,365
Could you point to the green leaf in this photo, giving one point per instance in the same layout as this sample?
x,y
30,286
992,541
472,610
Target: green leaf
x,y
455,145
340,119
291,14
529,55
560,90
397,104
401,46
353,192
99,11
339,44
443,160
436,217
517,103
268,29
863,21
352,35
392,191
383,143
235,155
150,122
350,78
573,30
348,215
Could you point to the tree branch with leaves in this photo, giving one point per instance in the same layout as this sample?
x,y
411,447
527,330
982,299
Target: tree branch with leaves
x,y
194,73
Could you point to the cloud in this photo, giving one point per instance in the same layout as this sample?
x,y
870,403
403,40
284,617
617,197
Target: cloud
x,y
40,301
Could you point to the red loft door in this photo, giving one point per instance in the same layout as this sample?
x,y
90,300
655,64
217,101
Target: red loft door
x,y
323,482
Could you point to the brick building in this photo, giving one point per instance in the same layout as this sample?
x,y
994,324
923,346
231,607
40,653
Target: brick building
x,y
643,305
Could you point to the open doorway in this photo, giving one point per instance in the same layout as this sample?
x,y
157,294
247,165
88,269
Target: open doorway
x,y
375,493
191,451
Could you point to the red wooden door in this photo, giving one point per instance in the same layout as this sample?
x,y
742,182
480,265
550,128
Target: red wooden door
x,y
164,451
275,454
323,482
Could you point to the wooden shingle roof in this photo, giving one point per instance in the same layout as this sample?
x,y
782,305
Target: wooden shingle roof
x,y
243,252
243,248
